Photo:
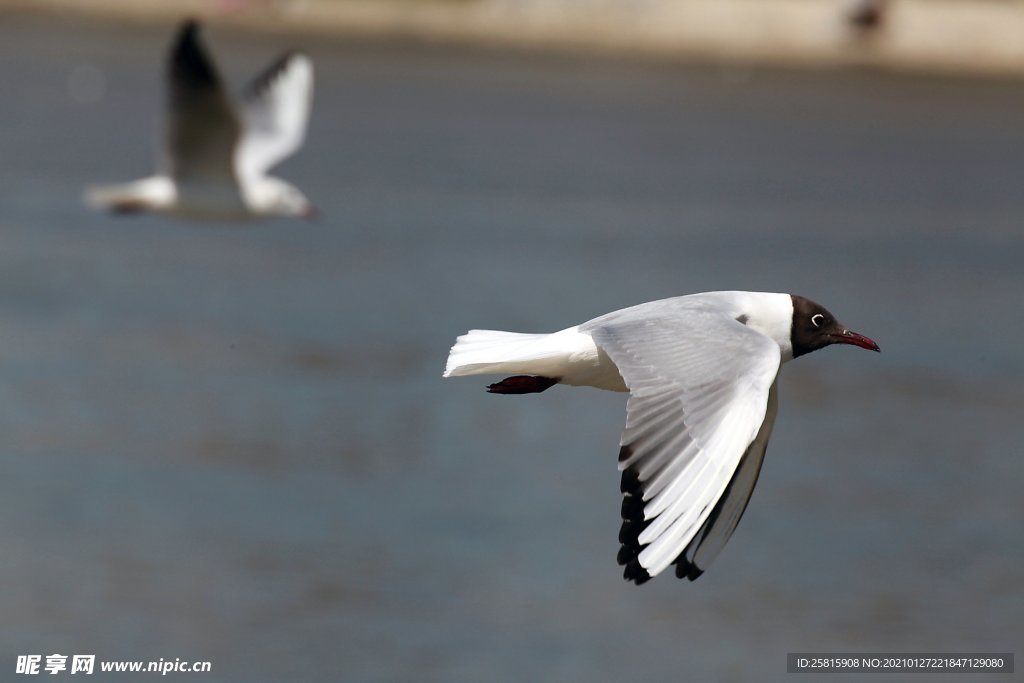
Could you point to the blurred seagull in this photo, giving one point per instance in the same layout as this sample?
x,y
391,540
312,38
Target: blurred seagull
x,y
701,371
217,152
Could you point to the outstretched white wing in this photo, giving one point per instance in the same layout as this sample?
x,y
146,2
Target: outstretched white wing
x,y
699,384
275,110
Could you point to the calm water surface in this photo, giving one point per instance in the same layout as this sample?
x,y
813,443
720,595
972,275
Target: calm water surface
x,y
233,444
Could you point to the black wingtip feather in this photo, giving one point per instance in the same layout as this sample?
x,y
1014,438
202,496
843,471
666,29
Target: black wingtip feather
x,y
629,531
632,508
633,525
629,551
635,573
686,569
630,482
188,61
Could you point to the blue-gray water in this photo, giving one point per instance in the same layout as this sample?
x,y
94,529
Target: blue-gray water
x,y
233,444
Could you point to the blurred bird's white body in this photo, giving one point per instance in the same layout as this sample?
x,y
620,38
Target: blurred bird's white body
x,y
183,199
218,148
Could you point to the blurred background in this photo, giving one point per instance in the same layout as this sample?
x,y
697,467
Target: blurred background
x,y
233,443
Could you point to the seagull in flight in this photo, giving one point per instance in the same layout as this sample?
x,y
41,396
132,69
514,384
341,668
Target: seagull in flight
x,y
702,374
217,150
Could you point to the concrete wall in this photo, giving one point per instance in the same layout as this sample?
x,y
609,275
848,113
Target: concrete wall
x,y
937,35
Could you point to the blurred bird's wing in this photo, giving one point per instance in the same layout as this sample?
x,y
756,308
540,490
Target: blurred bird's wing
x,y
275,111
202,128
697,423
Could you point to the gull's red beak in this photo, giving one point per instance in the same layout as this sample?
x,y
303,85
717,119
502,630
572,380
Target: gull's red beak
x,y
311,213
854,339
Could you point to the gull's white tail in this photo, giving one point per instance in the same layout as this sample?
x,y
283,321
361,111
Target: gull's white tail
x,y
481,352
485,351
566,357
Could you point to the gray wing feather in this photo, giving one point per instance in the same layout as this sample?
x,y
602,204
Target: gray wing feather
x,y
699,384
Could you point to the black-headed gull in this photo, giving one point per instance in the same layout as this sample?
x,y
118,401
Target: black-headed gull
x,y
217,151
701,371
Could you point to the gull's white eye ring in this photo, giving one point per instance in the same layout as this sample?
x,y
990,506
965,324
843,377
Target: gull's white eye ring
x,y
817,319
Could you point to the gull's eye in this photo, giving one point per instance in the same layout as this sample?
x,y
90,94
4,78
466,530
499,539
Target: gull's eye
x,y
817,320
